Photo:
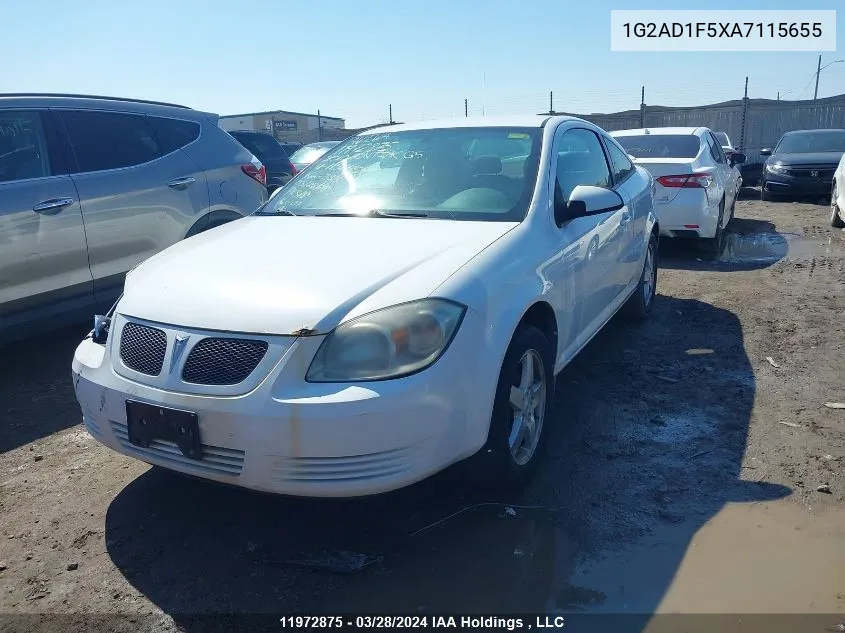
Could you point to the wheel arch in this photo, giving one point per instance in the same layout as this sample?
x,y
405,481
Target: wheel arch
x,y
212,219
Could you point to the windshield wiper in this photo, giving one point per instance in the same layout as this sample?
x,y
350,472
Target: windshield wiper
x,y
375,213
398,214
262,211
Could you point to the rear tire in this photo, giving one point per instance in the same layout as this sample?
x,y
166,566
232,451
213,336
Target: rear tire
x,y
836,220
639,304
713,245
522,409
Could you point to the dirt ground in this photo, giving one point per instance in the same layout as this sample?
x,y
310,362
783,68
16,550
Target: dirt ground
x,y
683,476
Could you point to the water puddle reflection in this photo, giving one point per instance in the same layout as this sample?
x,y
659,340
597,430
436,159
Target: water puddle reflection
x,y
772,246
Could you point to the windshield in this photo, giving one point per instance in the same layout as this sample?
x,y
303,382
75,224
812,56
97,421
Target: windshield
x,y
724,141
483,173
661,145
263,146
809,142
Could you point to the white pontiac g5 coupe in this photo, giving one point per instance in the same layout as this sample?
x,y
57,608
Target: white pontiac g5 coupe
x,y
403,304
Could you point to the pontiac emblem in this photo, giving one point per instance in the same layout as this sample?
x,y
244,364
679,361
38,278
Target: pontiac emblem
x,y
178,348
814,174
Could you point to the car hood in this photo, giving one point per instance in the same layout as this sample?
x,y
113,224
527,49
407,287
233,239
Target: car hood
x,y
815,158
285,275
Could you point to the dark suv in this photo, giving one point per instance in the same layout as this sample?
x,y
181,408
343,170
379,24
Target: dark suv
x,y
271,154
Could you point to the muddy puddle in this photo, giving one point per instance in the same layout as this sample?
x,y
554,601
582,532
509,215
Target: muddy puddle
x,y
773,246
749,558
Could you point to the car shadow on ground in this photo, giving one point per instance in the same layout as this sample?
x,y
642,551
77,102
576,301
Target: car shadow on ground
x,y
748,245
650,439
36,391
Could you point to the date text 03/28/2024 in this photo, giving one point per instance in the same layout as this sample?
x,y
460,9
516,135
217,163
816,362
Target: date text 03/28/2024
x,y
438,622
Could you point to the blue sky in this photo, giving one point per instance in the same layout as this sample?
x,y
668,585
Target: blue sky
x,y
353,59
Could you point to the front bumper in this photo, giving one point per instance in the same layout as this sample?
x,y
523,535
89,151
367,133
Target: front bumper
x,y
780,184
287,436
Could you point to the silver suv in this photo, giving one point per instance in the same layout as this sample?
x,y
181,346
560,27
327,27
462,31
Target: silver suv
x,y
91,186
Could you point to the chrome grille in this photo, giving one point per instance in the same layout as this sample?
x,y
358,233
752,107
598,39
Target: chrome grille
x,y
142,348
223,361
825,173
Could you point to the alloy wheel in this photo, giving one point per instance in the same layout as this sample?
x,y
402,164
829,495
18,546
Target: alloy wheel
x,y
649,276
528,402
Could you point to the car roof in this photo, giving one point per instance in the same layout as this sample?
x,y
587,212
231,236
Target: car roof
x,y
536,121
98,102
660,131
834,129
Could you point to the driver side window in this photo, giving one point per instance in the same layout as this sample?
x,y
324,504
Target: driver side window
x,y
580,161
23,148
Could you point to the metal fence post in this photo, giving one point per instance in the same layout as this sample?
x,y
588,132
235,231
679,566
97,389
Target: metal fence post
x,y
744,118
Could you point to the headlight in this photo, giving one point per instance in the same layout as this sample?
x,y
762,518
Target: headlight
x,y
388,343
777,169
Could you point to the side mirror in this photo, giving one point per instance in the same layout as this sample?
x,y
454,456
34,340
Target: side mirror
x,y
737,158
586,200
766,152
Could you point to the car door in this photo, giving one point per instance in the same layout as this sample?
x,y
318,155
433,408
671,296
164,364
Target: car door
x,y
44,273
726,175
139,192
582,276
635,192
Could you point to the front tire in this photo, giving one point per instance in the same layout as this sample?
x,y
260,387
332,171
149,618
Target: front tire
x,y
836,220
639,304
765,196
522,409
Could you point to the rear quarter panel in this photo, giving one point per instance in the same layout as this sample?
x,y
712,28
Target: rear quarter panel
x,y
221,157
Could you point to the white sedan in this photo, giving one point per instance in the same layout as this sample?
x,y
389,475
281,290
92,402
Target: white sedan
x,y
400,306
837,197
696,183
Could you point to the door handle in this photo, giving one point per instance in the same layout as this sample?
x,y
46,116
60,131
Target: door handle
x,y
182,183
52,206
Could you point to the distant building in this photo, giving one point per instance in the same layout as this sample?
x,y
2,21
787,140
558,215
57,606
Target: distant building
x,y
286,126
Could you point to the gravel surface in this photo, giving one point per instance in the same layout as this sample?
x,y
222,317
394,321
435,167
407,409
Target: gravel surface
x,y
718,399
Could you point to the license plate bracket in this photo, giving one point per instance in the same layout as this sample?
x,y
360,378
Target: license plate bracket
x,y
147,422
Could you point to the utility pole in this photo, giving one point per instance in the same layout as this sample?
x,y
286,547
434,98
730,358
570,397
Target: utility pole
x,y
466,108
744,118
319,127
642,107
819,72
390,111
551,102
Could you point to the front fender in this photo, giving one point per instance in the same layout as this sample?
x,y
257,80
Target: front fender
x,y
500,312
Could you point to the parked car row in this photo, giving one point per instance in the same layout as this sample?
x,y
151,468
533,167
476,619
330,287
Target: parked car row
x,y
402,302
